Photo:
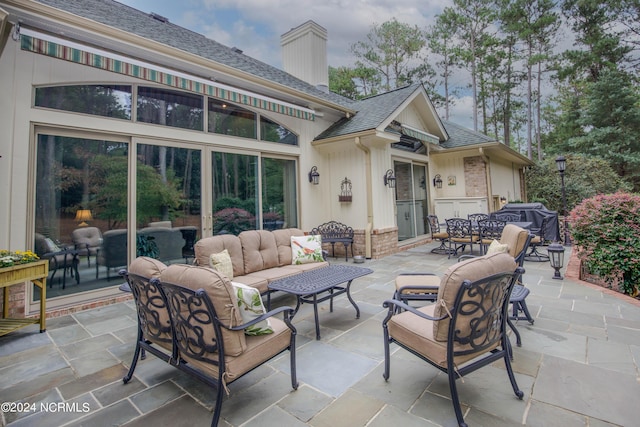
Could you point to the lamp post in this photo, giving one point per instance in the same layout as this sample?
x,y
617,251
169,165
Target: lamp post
x,y
562,164
556,258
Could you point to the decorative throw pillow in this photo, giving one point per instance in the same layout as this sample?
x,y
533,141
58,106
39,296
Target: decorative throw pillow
x,y
221,262
51,245
250,306
497,247
306,249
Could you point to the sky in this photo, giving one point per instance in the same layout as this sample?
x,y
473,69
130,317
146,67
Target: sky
x,y
255,26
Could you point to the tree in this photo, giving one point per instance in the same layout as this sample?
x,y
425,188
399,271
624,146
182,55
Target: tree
x,y
611,118
392,50
440,41
584,177
472,19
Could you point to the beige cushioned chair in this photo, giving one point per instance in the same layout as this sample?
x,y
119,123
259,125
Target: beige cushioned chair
x,y
466,328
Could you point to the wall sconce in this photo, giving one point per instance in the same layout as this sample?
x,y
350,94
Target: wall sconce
x,y
556,258
437,181
389,179
314,176
82,216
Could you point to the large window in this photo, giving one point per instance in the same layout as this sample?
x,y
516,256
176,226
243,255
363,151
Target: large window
x,y
273,132
170,108
101,100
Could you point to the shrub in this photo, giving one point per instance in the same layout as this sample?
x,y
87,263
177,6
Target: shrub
x,y
606,232
233,221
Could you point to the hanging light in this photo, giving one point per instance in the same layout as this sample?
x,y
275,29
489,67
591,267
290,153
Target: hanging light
x,y
314,176
389,179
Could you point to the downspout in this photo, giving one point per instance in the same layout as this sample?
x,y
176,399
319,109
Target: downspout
x,y
487,171
369,228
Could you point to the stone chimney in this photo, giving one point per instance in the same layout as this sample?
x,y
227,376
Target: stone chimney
x,y
304,54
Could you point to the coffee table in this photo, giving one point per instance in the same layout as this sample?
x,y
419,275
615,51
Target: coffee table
x,y
308,285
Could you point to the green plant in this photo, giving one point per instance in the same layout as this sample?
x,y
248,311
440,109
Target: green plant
x,y
146,246
8,258
606,232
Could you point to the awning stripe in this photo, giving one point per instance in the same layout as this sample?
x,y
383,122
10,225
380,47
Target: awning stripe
x,y
62,49
422,136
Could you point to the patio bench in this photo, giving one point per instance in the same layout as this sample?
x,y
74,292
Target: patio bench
x,y
335,232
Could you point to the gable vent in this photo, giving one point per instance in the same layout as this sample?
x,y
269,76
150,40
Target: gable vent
x,y
159,17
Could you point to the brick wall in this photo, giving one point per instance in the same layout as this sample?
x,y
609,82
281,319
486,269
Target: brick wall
x,y
16,301
475,177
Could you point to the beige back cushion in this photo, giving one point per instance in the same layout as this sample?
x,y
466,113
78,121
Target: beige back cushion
x,y
515,237
221,293
283,243
472,269
151,269
259,250
216,244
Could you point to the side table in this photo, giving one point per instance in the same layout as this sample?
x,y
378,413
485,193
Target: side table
x,y
35,272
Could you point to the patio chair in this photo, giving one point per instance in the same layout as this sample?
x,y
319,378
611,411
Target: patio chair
x,y
539,240
60,258
205,326
465,329
460,235
488,231
87,241
508,217
436,234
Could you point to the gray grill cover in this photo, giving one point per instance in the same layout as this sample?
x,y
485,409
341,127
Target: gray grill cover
x,y
534,212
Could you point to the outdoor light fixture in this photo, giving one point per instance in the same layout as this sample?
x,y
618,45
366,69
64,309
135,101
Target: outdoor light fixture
x,y
561,163
389,179
556,258
82,216
437,181
314,176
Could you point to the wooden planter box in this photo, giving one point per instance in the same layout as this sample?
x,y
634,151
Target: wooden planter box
x,y
35,272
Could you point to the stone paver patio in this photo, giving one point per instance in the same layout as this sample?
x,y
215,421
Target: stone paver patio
x,y
578,366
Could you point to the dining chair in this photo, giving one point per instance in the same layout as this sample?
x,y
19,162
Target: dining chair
x,y
437,234
489,230
539,240
508,217
460,235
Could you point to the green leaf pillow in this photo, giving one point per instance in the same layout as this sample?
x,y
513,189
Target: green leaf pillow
x,y
250,306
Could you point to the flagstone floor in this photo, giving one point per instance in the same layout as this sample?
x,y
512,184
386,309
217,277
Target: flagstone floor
x,y
578,366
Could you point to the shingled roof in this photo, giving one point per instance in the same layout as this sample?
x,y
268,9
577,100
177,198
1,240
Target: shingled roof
x,y
371,112
460,136
125,18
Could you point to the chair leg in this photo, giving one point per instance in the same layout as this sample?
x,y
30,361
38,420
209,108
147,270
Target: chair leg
x,y
454,397
387,356
512,378
515,331
218,407
134,362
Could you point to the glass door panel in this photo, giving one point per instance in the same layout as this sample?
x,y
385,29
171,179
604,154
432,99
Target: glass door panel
x,y
81,201
411,199
279,209
168,195
234,183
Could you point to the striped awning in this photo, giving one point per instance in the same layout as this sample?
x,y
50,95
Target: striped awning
x,y
55,47
418,134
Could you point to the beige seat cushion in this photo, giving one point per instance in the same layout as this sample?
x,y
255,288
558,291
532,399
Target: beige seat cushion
x,y
221,293
216,244
283,244
418,280
472,269
259,349
152,269
515,237
417,333
259,250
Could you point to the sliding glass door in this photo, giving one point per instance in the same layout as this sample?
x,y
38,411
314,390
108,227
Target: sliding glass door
x,y
411,199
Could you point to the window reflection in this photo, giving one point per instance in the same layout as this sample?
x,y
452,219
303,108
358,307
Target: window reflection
x,y
273,132
100,100
170,108
278,194
229,119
